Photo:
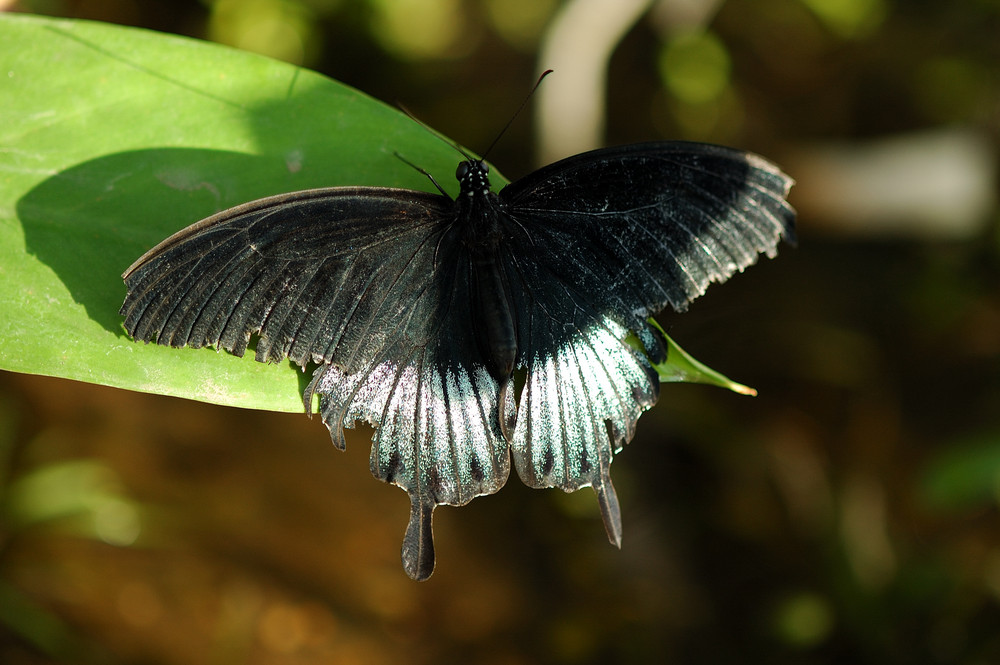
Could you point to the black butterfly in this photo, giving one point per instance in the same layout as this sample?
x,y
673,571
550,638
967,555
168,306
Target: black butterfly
x,y
420,309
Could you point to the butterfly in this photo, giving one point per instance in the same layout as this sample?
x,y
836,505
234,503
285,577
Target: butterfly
x,y
472,331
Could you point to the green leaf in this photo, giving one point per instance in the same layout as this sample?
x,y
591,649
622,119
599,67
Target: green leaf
x,y
113,138
963,475
680,366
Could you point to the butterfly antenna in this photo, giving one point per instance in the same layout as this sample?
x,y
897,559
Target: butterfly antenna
x,y
420,170
517,112
427,127
457,147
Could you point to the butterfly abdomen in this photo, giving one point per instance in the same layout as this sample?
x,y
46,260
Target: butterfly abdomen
x,y
497,331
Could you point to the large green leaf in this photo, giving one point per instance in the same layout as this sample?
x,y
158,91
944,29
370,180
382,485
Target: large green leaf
x,y
113,138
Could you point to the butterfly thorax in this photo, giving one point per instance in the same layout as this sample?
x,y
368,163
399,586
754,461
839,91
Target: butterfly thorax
x,y
477,209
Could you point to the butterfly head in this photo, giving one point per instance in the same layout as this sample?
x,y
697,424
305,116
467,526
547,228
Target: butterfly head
x,y
473,177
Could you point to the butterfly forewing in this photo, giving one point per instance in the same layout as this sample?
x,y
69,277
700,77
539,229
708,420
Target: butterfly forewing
x,y
320,275
650,225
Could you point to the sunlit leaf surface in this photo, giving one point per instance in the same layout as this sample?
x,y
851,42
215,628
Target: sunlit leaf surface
x,y
113,139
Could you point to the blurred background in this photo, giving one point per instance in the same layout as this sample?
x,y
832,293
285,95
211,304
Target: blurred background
x,y
849,514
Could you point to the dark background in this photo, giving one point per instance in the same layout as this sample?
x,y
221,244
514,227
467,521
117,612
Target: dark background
x,y
849,514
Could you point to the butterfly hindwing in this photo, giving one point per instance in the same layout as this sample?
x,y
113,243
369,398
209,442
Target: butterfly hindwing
x,y
435,409
584,386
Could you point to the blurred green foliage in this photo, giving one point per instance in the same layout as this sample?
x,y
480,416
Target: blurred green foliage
x,y
850,513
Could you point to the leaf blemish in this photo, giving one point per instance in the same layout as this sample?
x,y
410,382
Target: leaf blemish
x,y
185,181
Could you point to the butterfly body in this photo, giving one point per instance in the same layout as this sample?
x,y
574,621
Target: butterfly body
x,y
485,227
418,308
